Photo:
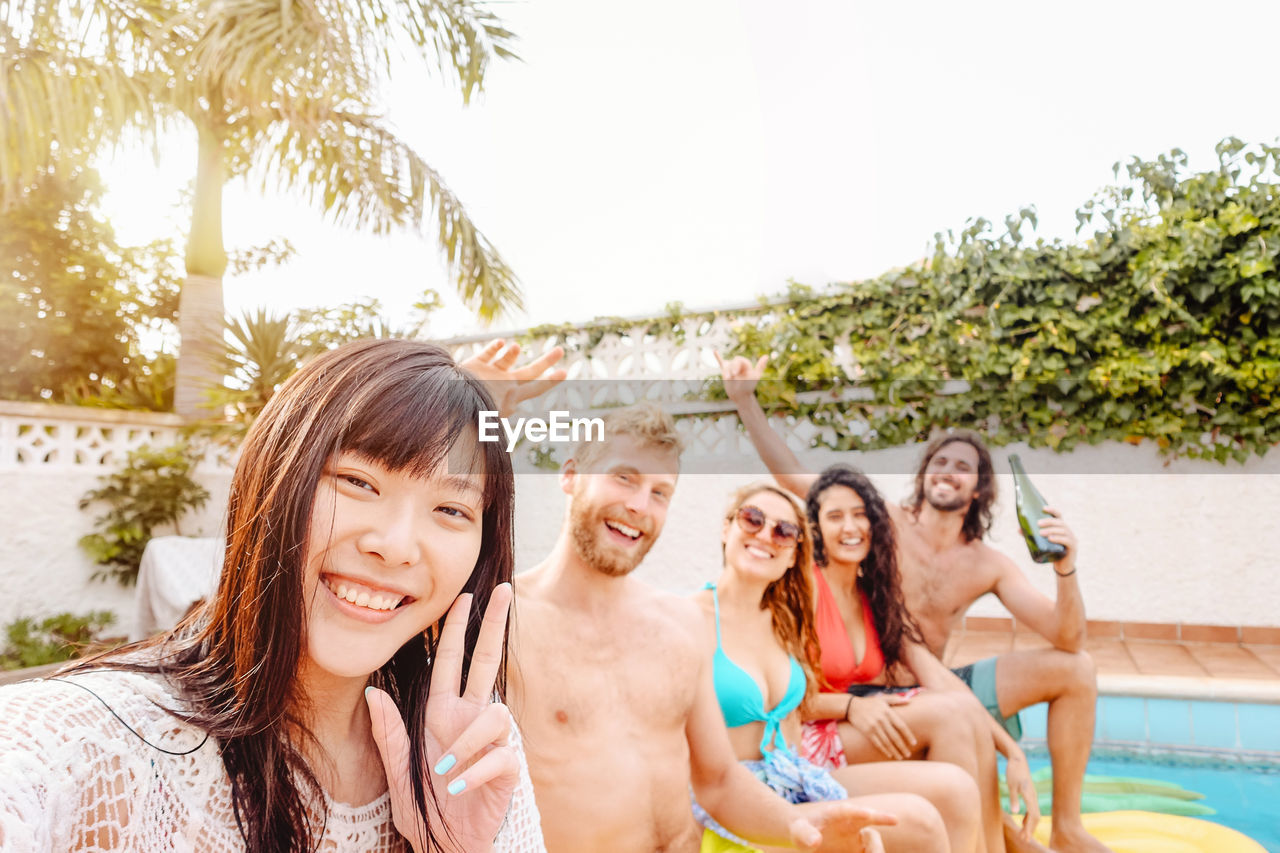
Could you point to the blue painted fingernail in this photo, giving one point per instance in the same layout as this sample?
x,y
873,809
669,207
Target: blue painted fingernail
x,y
457,786
445,764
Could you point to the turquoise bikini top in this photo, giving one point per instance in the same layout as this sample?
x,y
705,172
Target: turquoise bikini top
x,y
740,699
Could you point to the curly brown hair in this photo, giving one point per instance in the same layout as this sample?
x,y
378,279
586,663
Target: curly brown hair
x,y
790,598
879,580
979,517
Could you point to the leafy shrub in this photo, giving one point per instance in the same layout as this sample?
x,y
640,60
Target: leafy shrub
x,y
53,640
1163,324
154,488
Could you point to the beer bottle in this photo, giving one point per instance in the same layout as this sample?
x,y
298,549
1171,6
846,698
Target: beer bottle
x,y
1030,510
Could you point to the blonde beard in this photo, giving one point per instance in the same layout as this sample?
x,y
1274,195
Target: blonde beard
x,y
584,526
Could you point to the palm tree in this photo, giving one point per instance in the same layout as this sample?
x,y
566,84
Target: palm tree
x,y
282,91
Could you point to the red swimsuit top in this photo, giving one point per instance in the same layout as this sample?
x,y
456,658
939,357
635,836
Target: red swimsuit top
x,y
840,667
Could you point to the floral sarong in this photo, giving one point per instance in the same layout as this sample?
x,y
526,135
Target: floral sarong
x,y
791,777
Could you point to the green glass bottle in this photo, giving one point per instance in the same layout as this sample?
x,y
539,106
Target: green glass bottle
x,y
1030,510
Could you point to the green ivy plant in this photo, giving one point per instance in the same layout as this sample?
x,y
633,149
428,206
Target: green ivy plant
x,y
154,488
1160,322
52,640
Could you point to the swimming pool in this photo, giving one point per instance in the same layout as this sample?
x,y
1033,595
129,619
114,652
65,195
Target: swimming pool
x,y
1227,751
1245,798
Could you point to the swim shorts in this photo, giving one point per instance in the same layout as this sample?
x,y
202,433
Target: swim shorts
x,y
981,678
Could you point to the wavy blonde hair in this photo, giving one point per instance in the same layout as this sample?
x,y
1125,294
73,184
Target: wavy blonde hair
x,y
646,422
790,598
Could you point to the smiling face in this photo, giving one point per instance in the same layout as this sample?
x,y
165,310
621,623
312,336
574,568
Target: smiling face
x,y
387,554
618,506
759,554
844,525
951,477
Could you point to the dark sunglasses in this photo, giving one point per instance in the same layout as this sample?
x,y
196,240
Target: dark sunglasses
x,y
752,520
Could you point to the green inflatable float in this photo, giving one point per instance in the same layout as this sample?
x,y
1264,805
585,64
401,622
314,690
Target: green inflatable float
x,y
1128,814
1122,793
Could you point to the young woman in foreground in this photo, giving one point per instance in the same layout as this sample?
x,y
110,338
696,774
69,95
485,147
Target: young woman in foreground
x,y
761,632
355,639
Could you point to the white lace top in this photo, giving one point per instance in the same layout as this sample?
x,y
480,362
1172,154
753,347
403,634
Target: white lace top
x,y
73,777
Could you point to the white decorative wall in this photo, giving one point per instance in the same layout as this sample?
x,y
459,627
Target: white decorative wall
x,y
1184,541
50,456
1188,543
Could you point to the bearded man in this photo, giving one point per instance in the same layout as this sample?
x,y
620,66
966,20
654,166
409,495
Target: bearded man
x,y
946,566
612,689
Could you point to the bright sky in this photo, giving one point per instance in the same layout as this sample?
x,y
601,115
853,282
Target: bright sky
x,y
709,151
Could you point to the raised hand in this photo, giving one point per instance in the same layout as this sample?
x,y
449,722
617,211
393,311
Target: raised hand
x,y
475,770
741,376
842,824
495,367
875,719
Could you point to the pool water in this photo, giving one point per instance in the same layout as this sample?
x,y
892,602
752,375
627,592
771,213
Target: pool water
x,y
1245,798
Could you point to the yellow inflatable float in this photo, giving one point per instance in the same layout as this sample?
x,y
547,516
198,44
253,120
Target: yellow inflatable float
x,y
1123,832
1149,832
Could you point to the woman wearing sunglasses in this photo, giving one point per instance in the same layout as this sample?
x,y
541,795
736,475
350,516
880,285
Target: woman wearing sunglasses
x,y
868,642
338,691
761,635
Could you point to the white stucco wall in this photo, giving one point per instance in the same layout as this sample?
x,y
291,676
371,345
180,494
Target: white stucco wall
x,y
1184,542
1188,542
50,457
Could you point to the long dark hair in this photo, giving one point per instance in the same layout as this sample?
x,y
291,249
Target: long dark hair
x,y
878,581
789,599
405,405
978,518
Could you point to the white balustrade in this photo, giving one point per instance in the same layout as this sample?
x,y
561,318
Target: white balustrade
x,y
1160,536
42,437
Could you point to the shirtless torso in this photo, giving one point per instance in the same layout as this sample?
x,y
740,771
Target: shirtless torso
x,y
588,680
940,583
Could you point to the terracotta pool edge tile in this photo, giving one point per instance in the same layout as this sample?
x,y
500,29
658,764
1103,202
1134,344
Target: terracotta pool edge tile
x,y
1111,656
1223,661
991,624
1159,631
1209,633
1102,629
1260,635
1153,657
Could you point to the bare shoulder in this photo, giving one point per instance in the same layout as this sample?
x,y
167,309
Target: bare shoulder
x,y
681,616
530,586
995,564
706,607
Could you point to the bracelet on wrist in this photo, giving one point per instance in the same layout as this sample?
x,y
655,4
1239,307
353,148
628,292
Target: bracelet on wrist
x,y
1064,574
848,707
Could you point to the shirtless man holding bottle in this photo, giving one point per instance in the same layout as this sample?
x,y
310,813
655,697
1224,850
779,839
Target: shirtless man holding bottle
x,y
946,566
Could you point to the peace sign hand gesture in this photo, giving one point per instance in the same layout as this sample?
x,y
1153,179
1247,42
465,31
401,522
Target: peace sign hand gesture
x,y
466,740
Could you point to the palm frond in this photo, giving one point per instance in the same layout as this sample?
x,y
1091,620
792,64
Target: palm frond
x,y
361,175
133,36
54,106
253,61
460,37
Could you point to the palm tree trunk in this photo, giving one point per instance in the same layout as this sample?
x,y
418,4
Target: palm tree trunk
x,y
200,309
